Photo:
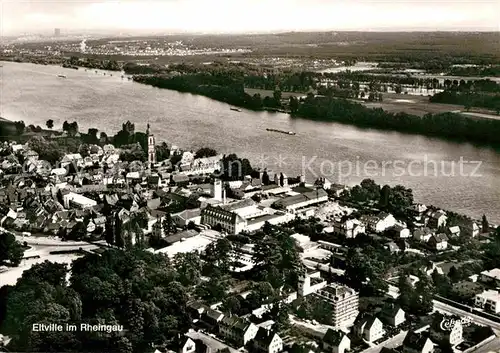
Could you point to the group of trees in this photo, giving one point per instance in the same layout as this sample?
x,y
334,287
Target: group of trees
x,y
235,168
11,251
480,93
47,150
276,257
136,289
416,300
70,128
93,63
395,199
229,87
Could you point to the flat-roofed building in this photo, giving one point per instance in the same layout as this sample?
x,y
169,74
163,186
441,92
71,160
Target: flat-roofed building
x,y
491,276
72,200
344,301
488,300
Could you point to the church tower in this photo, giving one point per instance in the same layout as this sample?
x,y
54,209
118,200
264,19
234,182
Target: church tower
x,y
151,148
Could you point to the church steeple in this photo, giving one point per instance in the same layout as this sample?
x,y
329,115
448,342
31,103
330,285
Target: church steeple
x,y
151,147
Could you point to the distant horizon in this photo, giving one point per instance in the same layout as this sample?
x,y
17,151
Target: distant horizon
x,y
248,16
129,32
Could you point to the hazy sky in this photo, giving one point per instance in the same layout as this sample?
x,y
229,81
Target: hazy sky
x,y
248,15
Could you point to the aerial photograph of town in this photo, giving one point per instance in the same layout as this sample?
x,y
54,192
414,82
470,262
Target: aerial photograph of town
x,y
248,176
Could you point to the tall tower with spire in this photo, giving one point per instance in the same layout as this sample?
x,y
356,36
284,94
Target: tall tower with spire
x,y
151,148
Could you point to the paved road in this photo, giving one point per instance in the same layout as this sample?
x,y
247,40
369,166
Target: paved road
x,y
493,346
392,342
52,241
448,309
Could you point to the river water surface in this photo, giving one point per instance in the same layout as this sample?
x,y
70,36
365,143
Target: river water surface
x,y
34,93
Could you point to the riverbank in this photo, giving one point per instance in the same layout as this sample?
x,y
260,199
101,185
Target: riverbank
x,y
448,126
33,93
72,63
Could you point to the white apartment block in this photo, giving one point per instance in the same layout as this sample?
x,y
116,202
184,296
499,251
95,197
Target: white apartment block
x,y
489,300
344,301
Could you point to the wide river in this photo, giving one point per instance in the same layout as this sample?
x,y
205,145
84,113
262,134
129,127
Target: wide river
x,y
439,172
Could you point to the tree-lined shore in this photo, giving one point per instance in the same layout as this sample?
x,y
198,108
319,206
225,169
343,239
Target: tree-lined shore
x,y
230,89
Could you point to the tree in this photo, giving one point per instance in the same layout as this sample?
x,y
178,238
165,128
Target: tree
x,y
50,123
92,136
205,152
214,290
10,249
384,196
169,225
20,126
50,272
232,305
294,104
485,224
218,256
188,266
119,237
280,315
109,230
162,152
454,274
277,97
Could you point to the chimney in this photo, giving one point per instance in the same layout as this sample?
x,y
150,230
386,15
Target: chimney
x,y
224,196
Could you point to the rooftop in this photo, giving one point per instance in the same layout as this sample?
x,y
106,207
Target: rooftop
x,y
494,273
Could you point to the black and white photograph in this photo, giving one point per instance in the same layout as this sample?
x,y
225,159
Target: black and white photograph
x,y
250,176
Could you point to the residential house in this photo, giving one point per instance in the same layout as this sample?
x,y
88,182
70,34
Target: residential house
x,y
491,277
423,234
453,232
439,242
212,317
470,228
189,346
430,268
349,228
379,223
75,158
436,219
393,315
237,330
267,341
154,181
337,189
196,309
323,183
393,247
452,335
400,232
336,342
370,329
133,177
416,343
417,210
489,300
